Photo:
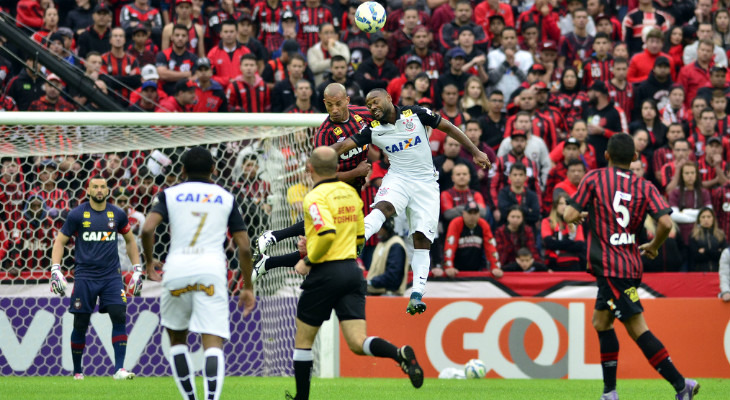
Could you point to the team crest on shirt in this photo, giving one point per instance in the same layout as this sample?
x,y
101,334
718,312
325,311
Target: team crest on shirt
x,y
726,206
77,303
410,126
111,224
304,17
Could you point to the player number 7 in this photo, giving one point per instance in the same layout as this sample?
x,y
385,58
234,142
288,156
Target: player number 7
x,y
620,209
202,216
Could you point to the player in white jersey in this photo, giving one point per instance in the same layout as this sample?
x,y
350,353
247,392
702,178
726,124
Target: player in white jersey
x,y
194,295
410,185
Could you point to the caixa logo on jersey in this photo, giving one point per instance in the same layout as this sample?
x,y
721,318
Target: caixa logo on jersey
x,y
99,236
519,352
400,146
199,198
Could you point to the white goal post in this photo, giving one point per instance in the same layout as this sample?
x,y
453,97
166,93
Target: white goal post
x,y
260,159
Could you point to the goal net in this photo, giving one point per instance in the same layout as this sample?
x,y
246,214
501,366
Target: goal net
x,y
47,159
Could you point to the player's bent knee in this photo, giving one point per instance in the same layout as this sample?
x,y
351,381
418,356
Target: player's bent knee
x,y
81,321
118,314
386,208
601,321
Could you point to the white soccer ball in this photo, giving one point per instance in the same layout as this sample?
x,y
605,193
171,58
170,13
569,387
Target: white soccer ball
x,y
475,369
370,17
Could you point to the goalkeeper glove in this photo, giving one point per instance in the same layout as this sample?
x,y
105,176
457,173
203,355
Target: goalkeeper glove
x,y
58,282
135,284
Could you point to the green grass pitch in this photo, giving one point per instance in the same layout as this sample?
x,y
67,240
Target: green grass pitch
x,y
92,388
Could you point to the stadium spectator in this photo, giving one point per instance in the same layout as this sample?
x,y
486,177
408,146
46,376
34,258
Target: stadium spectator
x,y
455,198
525,262
535,148
52,101
413,69
514,235
449,33
455,61
493,123
697,74
587,153
571,98
706,243
692,51
444,163
639,19
687,199
311,15
175,63
485,11
116,171
376,71
80,17
252,193
31,236
451,110
569,185
119,70
564,244
599,66
650,123
148,98
641,143
541,124
50,25
669,176
282,95
182,100
474,102
27,86
519,195
93,66
656,87
96,37
388,268
121,197
304,99
247,36
706,128
225,57
13,190
248,92
29,13
663,155
145,190
508,66
501,167
542,15
576,45
559,171
139,13
210,96
396,19
641,63
470,245
47,187
604,119
319,55
401,39
476,60
718,82
148,74
184,20
142,48
432,61
674,111
338,74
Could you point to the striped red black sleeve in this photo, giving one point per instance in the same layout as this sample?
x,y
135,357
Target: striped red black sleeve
x,y
657,205
585,192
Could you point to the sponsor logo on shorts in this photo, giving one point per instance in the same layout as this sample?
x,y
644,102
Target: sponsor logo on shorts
x,y
198,287
632,293
124,296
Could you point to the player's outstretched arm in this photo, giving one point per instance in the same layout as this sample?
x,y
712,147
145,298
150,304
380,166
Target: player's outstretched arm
x,y
573,216
148,244
663,228
480,158
246,298
58,281
344,146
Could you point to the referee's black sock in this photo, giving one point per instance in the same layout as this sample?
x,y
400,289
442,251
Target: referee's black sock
x,y
377,347
303,372
609,358
290,231
287,260
658,357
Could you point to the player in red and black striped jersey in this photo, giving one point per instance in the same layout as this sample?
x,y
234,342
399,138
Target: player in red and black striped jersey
x,y
615,201
344,121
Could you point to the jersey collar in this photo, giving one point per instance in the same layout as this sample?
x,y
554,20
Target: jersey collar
x,y
325,181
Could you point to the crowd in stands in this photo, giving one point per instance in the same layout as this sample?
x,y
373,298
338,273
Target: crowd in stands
x,y
539,85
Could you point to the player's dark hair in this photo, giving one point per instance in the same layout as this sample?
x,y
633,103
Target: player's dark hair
x,y
198,162
337,58
576,161
621,149
379,91
518,166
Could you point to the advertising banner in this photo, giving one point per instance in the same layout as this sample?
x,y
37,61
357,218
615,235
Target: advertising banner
x,y
541,338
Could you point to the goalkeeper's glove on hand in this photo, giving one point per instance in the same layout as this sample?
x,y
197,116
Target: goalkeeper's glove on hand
x,y
135,284
58,282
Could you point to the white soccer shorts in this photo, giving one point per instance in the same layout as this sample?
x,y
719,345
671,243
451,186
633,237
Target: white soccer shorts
x,y
196,303
420,200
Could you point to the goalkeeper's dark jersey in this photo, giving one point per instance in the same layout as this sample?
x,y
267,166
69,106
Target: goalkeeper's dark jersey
x,y
95,235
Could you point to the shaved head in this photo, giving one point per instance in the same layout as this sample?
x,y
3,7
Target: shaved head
x,y
324,161
335,90
336,101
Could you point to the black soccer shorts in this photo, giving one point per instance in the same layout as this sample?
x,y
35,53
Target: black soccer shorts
x,y
337,285
619,295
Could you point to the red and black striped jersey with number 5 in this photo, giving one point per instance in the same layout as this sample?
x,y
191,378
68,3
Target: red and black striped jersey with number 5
x,y
617,202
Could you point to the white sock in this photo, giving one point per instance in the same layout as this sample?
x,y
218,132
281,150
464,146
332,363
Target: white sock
x,y
182,371
214,372
373,222
420,264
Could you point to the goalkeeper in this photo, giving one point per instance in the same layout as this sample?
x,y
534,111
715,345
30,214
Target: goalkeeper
x,y
344,121
94,226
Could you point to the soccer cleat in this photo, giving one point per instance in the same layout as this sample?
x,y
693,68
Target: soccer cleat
x,y
415,305
691,387
612,395
410,366
259,267
122,374
78,377
288,396
264,241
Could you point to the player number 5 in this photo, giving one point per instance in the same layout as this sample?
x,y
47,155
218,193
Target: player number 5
x,y
620,209
202,216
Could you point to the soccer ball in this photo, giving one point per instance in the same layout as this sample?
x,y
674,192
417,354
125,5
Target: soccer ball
x,y
475,369
370,17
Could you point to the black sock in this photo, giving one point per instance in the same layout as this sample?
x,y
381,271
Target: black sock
x,y
658,357
609,358
377,347
287,260
290,231
303,372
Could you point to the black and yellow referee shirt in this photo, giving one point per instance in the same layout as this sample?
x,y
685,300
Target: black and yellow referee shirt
x,y
334,222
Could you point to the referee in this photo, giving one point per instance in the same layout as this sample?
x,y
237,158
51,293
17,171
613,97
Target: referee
x,y
334,227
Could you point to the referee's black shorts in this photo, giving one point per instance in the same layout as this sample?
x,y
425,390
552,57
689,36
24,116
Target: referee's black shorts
x,y
337,285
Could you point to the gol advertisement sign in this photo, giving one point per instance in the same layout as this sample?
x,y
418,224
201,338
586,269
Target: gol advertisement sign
x,y
541,338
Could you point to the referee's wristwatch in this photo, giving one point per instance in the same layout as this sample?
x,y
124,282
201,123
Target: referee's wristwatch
x,y
306,261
